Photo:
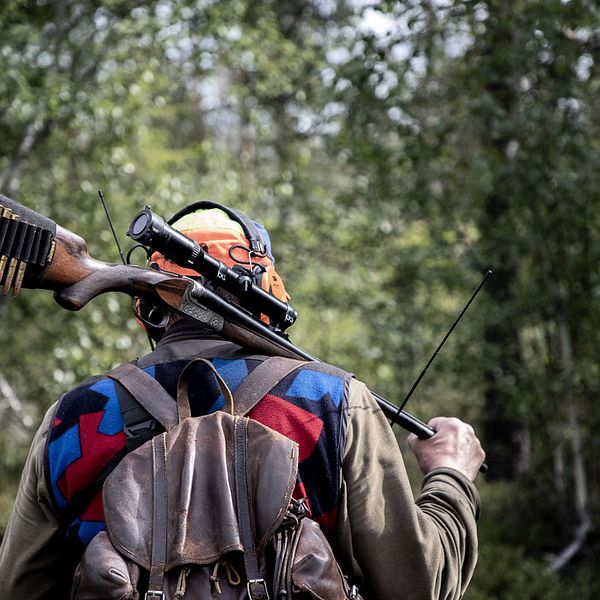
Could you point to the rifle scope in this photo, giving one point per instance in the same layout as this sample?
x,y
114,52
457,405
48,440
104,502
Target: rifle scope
x,y
150,230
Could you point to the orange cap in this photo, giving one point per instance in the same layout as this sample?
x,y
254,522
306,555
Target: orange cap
x,y
224,239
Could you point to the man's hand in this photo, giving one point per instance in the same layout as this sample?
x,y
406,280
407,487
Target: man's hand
x,y
454,445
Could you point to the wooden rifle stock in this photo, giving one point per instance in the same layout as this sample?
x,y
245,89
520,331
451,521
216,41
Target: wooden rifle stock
x,y
66,268
76,278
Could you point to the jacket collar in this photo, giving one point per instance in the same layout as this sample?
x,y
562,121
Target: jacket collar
x,y
185,340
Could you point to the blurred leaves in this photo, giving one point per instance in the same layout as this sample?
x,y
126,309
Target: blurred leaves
x,y
395,151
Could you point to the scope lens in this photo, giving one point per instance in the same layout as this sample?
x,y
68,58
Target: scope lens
x,y
140,224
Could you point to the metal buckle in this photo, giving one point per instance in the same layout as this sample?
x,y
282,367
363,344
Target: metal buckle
x,y
154,595
134,430
261,582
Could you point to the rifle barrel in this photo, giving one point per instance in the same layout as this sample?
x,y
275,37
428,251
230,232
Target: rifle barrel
x,y
279,343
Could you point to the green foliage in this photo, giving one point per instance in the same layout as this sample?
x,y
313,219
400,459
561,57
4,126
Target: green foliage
x,y
506,573
394,151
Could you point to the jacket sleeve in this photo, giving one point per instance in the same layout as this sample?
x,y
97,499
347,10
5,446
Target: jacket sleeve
x,y
31,559
394,545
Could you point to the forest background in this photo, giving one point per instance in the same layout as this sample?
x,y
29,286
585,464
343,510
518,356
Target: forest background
x,y
395,151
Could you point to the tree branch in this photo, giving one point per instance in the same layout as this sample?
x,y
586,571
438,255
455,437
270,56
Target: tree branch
x,y
11,179
10,402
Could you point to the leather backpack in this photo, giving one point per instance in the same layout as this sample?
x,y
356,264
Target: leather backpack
x,y
205,509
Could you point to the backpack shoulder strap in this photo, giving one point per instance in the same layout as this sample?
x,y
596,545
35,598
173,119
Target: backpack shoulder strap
x,y
261,380
148,392
162,406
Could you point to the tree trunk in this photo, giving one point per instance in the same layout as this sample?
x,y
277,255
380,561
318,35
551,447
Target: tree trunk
x,y
573,434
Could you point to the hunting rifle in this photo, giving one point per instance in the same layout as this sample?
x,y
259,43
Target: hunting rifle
x,y
36,253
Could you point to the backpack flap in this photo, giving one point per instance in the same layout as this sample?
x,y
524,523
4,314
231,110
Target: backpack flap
x,y
202,523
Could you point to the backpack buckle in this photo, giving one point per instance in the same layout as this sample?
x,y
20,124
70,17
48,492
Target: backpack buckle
x,y
261,594
154,595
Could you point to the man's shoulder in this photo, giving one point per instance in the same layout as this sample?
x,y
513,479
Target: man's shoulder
x,y
100,393
89,389
97,397
327,369
318,384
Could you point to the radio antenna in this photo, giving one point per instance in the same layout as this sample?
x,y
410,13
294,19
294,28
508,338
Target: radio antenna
x,y
111,225
464,310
